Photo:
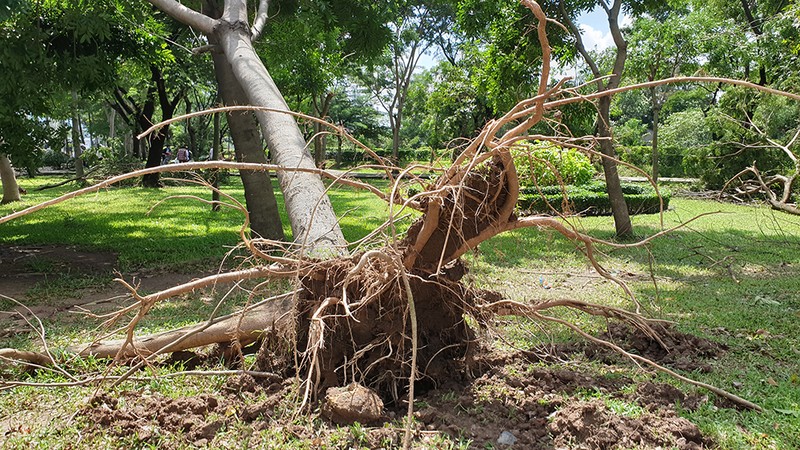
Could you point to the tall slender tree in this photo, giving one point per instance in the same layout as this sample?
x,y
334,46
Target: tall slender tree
x,y
566,11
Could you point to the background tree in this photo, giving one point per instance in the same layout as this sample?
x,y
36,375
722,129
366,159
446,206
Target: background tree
x,y
567,11
416,26
51,48
311,48
661,47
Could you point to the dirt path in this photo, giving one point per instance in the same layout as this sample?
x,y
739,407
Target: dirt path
x,y
67,279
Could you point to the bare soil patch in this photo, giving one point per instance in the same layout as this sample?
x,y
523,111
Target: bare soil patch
x,y
679,350
23,268
541,408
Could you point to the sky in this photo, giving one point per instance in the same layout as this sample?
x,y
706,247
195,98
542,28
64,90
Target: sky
x,y
595,34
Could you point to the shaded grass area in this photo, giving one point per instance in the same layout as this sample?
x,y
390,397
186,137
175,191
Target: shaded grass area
x,y
732,277
131,222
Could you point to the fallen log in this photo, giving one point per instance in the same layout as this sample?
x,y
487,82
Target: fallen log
x,y
244,326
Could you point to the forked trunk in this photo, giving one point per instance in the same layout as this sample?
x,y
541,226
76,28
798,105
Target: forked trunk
x,y
258,193
310,211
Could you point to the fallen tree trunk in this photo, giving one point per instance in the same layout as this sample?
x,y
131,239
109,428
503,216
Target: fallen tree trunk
x,y
244,327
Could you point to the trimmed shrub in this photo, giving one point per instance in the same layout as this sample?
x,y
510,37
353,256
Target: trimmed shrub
x,y
533,163
590,200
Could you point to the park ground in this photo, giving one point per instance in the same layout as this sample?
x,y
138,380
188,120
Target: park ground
x,y
728,281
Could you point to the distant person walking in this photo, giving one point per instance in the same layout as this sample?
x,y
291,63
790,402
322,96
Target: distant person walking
x,y
184,155
166,156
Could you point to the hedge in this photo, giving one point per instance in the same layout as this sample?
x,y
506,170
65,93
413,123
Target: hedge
x,y
591,199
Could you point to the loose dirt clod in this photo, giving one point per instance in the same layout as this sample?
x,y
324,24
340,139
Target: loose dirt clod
x,y
352,403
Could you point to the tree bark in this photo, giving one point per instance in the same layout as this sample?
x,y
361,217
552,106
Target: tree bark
x,y
76,136
258,193
215,157
308,207
656,116
320,139
310,212
157,139
9,180
619,209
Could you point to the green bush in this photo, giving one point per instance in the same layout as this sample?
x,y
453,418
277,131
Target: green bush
x,y
535,163
590,199
55,159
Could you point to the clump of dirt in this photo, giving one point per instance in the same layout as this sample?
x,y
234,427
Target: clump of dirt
x,y
680,350
592,425
352,403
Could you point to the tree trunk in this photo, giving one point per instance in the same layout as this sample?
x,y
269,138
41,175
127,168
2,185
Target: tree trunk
x,y
154,157
308,207
112,129
619,209
656,114
396,140
321,138
76,138
258,193
215,157
190,130
9,180
157,139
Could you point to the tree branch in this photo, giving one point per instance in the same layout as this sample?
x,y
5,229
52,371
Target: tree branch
x,y
260,21
187,16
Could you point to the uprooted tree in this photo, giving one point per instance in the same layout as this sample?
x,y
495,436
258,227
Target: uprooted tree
x,y
779,190
397,312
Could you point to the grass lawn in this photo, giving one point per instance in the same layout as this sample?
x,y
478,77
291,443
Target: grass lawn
x,y
732,277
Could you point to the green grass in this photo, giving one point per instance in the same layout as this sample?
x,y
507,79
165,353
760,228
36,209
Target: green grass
x,y
732,277
145,233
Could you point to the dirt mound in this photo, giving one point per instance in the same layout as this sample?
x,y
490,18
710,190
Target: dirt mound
x,y
198,418
656,396
680,350
592,425
535,407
